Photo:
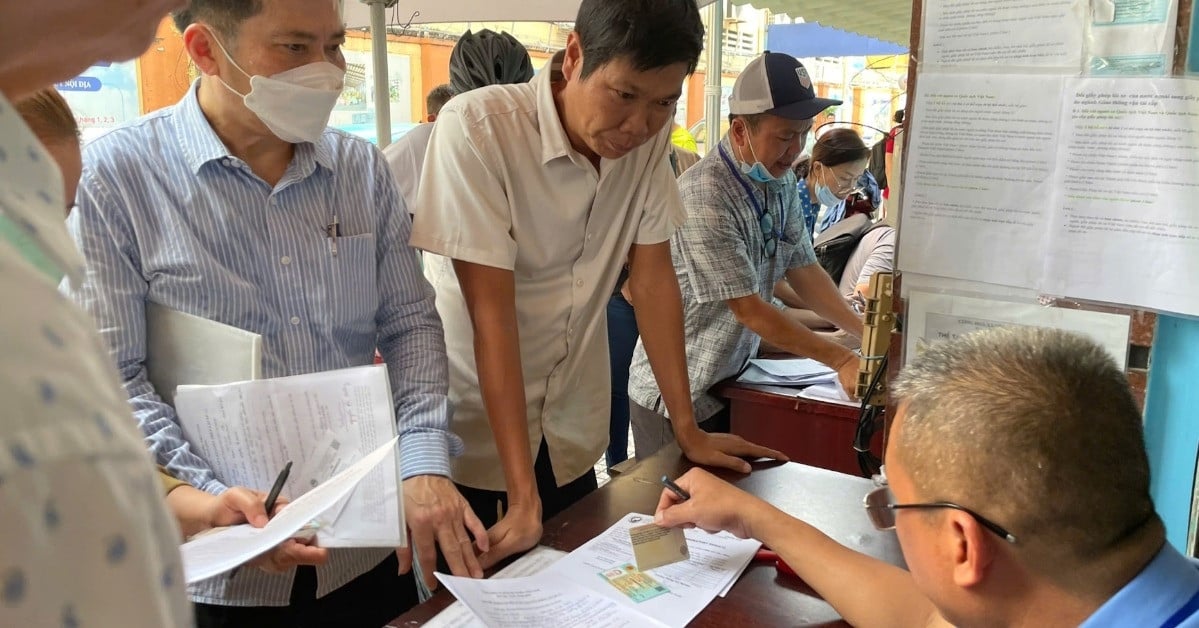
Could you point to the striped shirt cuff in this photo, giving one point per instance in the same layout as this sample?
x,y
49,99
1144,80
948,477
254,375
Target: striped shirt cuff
x,y
425,453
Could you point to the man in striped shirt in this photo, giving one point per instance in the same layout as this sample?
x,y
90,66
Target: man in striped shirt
x,y
239,205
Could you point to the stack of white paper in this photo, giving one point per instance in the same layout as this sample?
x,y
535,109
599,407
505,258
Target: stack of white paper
x,y
789,372
576,589
322,423
829,393
214,553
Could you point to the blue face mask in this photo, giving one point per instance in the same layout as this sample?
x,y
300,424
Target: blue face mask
x,y
758,171
826,196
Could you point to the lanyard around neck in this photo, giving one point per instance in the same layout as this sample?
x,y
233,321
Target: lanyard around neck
x,y
728,162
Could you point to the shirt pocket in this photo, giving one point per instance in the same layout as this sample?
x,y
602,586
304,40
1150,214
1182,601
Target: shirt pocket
x,y
352,278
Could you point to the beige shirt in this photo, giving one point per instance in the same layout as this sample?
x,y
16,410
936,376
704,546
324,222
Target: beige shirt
x,y
502,187
88,539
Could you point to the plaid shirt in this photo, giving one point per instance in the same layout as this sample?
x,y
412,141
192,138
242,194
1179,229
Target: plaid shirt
x,y
720,254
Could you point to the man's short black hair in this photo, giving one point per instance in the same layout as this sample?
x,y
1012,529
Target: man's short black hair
x,y
438,97
224,15
651,34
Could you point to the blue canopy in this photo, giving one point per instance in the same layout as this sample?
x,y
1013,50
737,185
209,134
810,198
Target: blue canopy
x,y
813,40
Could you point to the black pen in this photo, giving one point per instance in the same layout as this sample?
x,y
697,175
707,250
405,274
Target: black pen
x,y
675,488
271,498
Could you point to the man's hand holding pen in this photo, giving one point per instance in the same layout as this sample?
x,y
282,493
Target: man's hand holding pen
x,y
240,505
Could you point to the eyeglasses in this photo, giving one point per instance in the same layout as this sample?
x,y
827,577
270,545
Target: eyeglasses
x,y
769,235
880,508
841,186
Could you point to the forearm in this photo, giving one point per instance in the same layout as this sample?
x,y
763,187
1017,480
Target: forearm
x,y
412,344
658,306
865,591
775,329
502,384
824,299
785,293
807,318
192,509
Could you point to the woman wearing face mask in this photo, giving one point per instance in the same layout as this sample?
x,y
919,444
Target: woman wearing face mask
x,y
832,173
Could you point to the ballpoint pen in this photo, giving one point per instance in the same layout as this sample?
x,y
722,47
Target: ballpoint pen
x,y
273,496
271,499
334,231
675,488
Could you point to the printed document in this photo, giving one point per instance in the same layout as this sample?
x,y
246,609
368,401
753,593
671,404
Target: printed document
x,y
716,561
322,423
1132,37
787,372
457,615
1005,33
216,552
936,317
540,600
979,181
1127,231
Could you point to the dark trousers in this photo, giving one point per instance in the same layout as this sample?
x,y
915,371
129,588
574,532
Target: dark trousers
x,y
554,499
652,431
368,601
622,339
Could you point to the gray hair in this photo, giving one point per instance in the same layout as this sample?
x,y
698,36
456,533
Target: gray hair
x,y
1034,428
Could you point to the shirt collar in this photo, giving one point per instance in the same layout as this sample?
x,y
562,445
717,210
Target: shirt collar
x,y
196,136
31,193
554,141
201,145
1162,587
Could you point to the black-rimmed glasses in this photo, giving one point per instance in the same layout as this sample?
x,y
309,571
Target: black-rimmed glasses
x,y
880,507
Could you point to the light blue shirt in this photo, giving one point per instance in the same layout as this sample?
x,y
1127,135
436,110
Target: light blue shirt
x,y
166,214
1162,588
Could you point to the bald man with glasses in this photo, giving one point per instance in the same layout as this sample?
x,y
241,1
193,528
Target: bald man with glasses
x,y
1018,484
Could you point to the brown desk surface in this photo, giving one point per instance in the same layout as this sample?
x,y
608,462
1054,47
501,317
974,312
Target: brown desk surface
x,y
761,597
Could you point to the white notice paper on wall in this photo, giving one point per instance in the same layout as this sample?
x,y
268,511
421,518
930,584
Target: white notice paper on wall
x,y
322,423
978,192
1132,37
1128,229
937,317
1004,33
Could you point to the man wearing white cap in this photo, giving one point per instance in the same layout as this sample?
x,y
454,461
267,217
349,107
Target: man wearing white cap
x,y
745,232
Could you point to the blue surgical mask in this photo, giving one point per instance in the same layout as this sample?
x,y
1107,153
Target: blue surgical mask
x,y
826,196
757,171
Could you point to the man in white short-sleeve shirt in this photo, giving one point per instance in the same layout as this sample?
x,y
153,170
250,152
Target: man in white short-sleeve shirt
x,y
535,195
406,155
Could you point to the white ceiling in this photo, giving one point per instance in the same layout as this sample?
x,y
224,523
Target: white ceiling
x,y
888,20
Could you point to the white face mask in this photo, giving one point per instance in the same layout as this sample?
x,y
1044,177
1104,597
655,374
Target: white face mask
x,y
295,105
